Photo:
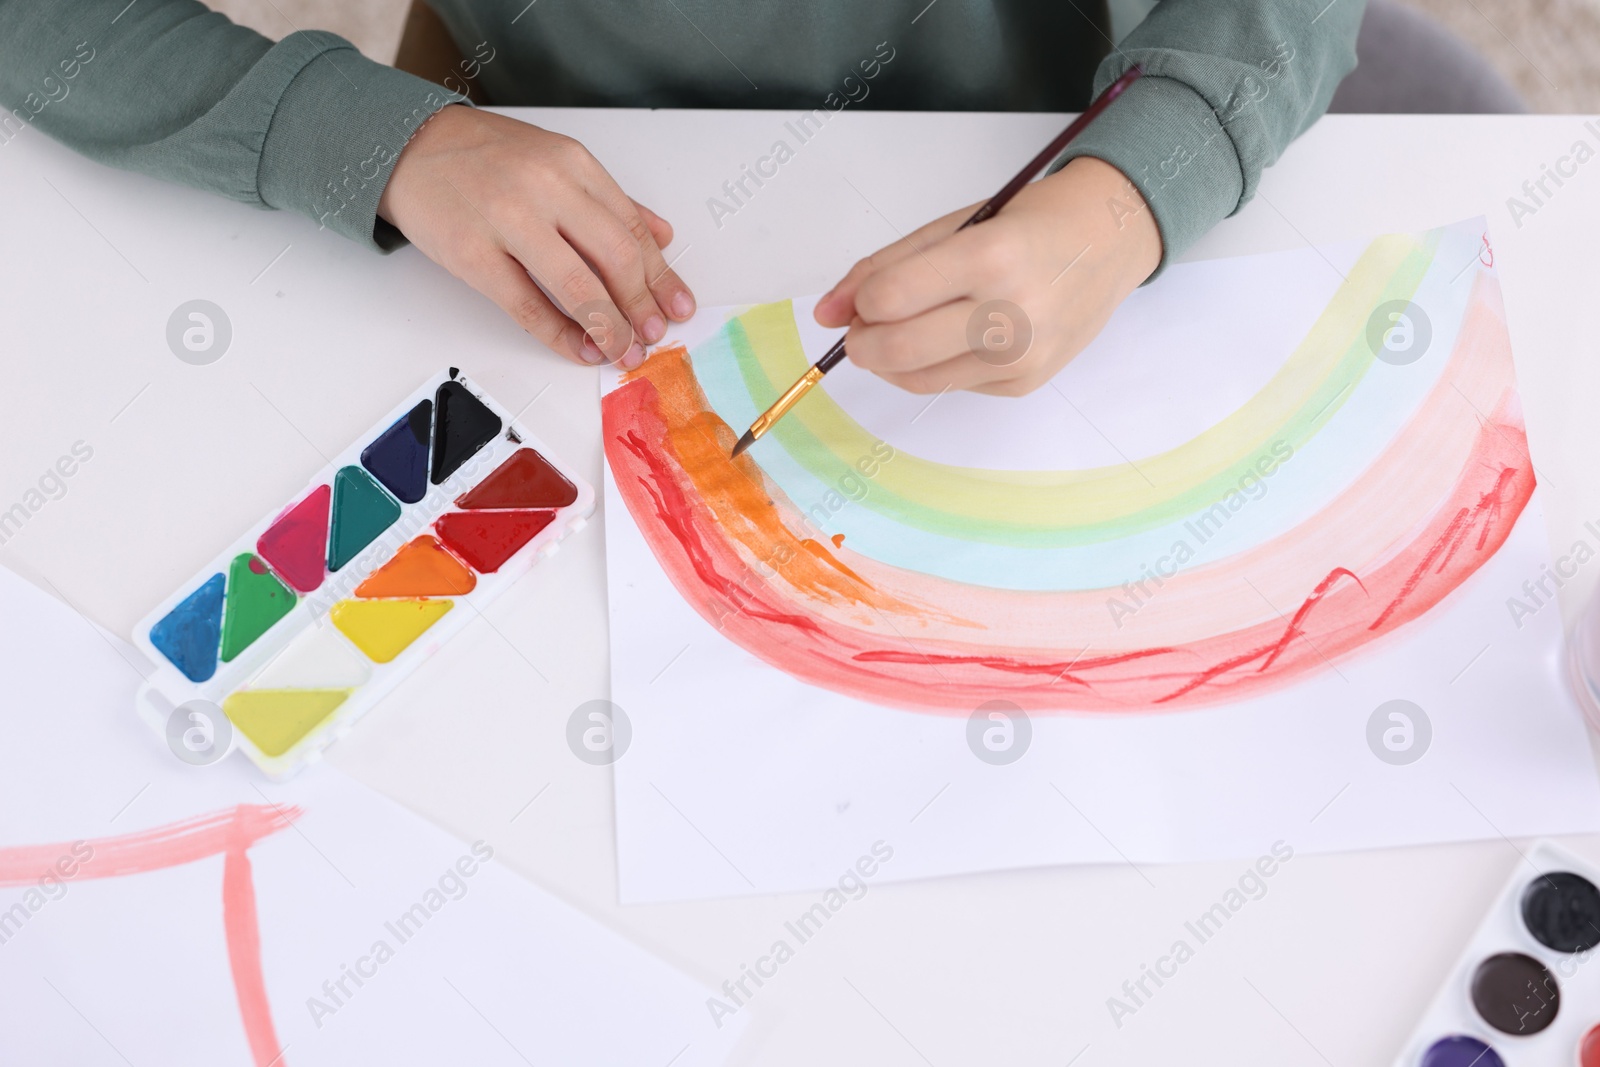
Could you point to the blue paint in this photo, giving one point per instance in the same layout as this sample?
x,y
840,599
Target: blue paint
x,y
1461,1051
189,634
398,457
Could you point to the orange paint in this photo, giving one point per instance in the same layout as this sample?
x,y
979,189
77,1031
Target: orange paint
x,y
737,494
827,557
422,567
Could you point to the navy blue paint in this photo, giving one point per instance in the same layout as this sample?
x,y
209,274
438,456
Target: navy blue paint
x,y
398,457
189,634
1459,1050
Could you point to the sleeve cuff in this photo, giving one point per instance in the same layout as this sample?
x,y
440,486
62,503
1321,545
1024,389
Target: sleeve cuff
x,y
1165,138
336,133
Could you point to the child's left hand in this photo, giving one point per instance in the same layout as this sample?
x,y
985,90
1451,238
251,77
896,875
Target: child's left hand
x,y
1064,253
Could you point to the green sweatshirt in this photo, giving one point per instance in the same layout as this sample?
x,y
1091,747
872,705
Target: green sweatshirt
x,y
308,124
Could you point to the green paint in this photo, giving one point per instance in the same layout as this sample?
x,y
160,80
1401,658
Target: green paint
x,y
255,600
361,511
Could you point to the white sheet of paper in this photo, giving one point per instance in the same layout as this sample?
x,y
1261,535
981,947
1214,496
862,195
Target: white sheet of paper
x,y
742,779
494,971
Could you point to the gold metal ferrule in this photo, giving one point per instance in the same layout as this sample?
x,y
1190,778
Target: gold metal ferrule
x,y
788,400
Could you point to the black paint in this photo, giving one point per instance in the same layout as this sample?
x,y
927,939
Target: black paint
x,y
462,425
1562,911
1515,993
420,421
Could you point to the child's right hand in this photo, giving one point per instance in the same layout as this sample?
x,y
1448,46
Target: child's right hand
x,y
494,200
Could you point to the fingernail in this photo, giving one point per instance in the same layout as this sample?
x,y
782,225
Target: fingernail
x,y
633,357
653,329
683,305
591,354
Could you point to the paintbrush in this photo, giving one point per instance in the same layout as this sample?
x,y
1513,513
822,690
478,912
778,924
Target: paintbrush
x,y
835,355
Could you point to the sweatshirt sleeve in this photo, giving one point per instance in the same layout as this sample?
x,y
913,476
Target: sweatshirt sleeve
x,y
171,89
1227,85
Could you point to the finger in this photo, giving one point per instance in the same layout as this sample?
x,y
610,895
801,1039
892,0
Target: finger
x,y
965,371
946,270
672,295
918,342
837,308
667,289
503,280
1010,386
564,275
615,252
660,228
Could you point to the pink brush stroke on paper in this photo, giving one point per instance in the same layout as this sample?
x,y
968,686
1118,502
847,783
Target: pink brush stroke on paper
x,y
228,833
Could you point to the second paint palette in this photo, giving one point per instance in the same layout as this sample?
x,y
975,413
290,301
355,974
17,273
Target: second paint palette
x,y
319,610
1526,992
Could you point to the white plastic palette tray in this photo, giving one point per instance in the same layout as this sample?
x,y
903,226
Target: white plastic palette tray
x,y
1557,1016
327,648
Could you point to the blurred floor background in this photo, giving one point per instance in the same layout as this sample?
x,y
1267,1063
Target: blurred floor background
x,y
1548,49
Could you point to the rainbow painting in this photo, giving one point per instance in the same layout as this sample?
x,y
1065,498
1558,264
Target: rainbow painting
x,y
1356,489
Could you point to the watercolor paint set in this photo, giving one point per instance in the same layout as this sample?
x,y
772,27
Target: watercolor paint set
x,y
320,609
1527,989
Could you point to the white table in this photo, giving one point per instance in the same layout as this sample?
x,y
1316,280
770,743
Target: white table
x,y
1332,966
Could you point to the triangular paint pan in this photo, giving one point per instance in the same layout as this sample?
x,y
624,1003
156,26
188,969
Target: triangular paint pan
x,y
526,480
188,634
318,658
361,511
275,720
398,457
256,600
462,424
383,629
486,539
296,545
421,568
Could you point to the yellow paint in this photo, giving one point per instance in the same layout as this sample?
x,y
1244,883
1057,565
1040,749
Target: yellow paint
x,y
276,719
385,628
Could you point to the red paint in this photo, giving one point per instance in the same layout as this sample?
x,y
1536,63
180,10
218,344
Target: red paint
x,y
677,516
1461,524
227,833
1340,612
243,935
526,480
1058,670
486,539
297,543
1589,1048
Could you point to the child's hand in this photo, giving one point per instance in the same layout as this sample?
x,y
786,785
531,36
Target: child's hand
x,y
494,200
1064,252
